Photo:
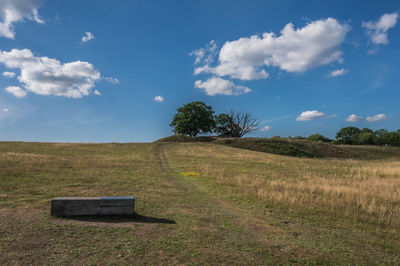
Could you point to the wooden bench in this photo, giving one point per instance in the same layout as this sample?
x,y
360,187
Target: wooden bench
x,y
80,206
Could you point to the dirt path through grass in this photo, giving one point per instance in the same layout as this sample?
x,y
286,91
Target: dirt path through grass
x,y
233,234
240,216
238,235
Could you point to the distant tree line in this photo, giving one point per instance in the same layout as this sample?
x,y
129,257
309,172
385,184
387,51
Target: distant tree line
x,y
198,118
365,136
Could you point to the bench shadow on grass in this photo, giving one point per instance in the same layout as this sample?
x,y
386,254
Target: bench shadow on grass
x,y
137,218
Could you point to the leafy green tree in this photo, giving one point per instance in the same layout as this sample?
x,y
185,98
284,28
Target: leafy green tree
x,y
382,136
392,138
366,138
193,118
348,135
395,140
366,130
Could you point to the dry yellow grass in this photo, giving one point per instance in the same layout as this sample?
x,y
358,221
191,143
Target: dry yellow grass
x,y
364,190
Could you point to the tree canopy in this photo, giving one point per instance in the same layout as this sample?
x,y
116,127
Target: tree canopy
x,y
348,135
193,118
366,136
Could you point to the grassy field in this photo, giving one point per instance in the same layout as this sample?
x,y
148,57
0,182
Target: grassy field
x,y
201,203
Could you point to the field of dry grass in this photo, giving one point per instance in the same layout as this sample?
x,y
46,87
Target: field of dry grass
x,y
200,203
363,190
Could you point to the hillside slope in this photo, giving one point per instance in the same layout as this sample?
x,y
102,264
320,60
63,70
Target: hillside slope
x,y
295,147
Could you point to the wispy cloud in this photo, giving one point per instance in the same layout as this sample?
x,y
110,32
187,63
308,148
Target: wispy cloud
x,y
111,80
266,128
353,118
205,55
377,31
376,118
16,91
338,72
8,74
87,37
276,119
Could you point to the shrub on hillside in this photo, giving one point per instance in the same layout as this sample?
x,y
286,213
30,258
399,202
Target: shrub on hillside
x,y
318,137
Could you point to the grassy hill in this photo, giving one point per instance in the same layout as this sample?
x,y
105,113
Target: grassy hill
x,y
295,147
206,202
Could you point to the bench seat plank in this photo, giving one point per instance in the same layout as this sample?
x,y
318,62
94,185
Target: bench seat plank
x,y
80,206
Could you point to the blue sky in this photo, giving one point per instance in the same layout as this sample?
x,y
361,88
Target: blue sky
x,y
90,71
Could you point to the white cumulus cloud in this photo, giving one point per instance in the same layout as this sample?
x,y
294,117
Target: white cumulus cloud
x,y
266,128
375,118
159,98
87,37
16,91
96,92
295,50
310,115
217,85
353,118
47,76
8,74
338,72
5,109
377,31
12,11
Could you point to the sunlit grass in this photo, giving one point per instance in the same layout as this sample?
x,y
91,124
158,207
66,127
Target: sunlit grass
x,y
365,190
228,206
